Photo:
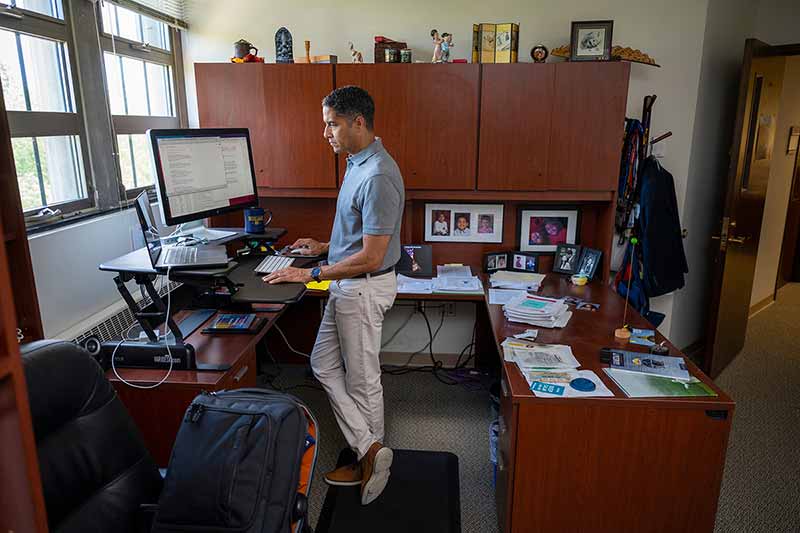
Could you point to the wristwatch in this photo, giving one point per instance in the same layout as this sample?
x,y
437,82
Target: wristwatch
x,y
316,272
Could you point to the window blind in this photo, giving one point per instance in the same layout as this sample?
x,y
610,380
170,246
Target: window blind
x,y
172,12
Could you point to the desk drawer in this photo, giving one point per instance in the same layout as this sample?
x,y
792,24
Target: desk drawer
x,y
243,373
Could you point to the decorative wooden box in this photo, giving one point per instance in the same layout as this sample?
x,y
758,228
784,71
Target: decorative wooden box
x,y
380,54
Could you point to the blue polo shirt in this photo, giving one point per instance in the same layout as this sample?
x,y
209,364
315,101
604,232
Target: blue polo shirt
x,y
370,202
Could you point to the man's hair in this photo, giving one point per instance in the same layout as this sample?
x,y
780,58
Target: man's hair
x,y
351,101
445,34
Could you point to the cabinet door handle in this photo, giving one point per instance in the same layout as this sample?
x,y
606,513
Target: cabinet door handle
x,y
240,374
504,387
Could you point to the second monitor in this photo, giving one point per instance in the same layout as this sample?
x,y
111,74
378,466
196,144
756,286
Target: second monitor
x,y
201,173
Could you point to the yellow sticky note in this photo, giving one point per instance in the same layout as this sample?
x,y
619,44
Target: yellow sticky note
x,y
319,286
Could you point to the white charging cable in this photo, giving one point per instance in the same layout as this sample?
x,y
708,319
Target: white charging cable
x,y
166,342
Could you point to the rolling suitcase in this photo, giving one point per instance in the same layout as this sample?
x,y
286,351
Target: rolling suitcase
x,y
242,461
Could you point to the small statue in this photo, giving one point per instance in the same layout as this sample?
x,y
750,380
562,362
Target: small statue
x,y
447,44
283,46
437,46
355,54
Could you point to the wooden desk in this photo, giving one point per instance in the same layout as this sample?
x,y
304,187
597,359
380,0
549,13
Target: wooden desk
x,y
605,464
158,412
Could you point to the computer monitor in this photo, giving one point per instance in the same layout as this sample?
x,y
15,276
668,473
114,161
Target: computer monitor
x,y
202,173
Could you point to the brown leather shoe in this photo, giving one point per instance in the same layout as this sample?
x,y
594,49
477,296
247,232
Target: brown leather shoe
x,y
375,468
345,476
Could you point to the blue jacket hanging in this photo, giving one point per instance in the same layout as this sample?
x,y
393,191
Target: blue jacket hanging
x,y
631,268
659,231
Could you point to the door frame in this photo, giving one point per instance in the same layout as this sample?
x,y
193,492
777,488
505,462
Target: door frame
x,y
787,50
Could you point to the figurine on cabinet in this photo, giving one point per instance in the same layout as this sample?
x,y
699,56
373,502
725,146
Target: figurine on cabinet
x,y
437,46
355,54
283,46
447,44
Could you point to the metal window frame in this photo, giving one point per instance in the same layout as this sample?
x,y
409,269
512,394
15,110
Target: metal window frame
x,y
92,121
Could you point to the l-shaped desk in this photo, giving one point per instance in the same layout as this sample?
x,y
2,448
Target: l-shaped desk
x,y
592,464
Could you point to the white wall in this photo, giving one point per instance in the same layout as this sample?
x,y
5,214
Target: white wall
x,y
671,32
778,190
69,285
728,24
778,22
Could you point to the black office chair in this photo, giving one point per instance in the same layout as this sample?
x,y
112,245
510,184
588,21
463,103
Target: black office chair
x,y
96,471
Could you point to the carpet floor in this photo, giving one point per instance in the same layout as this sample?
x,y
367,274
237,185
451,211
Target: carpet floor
x,y
761,486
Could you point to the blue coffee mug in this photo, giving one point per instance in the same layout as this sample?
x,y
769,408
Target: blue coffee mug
x,y
254,219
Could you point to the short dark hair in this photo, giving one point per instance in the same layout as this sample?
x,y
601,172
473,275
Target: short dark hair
x,y
351,101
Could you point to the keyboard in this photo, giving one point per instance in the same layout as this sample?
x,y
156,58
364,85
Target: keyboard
x,y
180,255
271,263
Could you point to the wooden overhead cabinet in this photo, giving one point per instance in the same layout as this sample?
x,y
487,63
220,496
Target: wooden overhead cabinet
x,y
427,117
516,116
588,126
282,107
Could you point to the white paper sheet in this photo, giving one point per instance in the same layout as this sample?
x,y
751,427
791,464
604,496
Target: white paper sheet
x,y
503,296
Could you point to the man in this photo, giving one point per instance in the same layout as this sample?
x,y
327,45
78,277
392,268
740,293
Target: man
x,y
363,249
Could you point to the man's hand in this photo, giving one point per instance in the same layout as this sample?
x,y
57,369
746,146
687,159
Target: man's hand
x,y
288,275
310,247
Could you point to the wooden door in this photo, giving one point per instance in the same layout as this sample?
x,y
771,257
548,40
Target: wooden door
x,y
740,228
282,106
516,115
428,118
588,125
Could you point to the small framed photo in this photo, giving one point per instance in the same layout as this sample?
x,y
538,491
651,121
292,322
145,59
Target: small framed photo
x,y
524,261
464,222
591,40
567,258
543,230
590,259
794,140
495,261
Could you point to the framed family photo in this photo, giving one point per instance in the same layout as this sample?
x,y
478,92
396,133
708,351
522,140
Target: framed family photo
x,y
523,261
587,265
567,259
464,222
543,230
495,261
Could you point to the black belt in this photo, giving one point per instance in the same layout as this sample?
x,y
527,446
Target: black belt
x,y
373,274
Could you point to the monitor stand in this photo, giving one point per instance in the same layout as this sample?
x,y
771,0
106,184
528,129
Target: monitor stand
x,y
198,230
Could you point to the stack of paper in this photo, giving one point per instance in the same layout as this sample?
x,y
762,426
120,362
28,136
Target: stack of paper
x,y
456,279
538,311
503,279
407,285
529,354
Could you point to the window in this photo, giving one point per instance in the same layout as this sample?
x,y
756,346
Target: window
x,y
38,91
140,85
133,64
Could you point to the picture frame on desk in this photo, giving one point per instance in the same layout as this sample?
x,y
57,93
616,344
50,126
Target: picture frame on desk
x,y
495,261
464,223
542,230
523,261
567,259
587,265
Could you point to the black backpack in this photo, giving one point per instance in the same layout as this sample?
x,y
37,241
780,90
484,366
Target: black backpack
x,y
236,465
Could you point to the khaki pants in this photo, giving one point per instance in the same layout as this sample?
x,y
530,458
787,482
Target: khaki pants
x,y
346,360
